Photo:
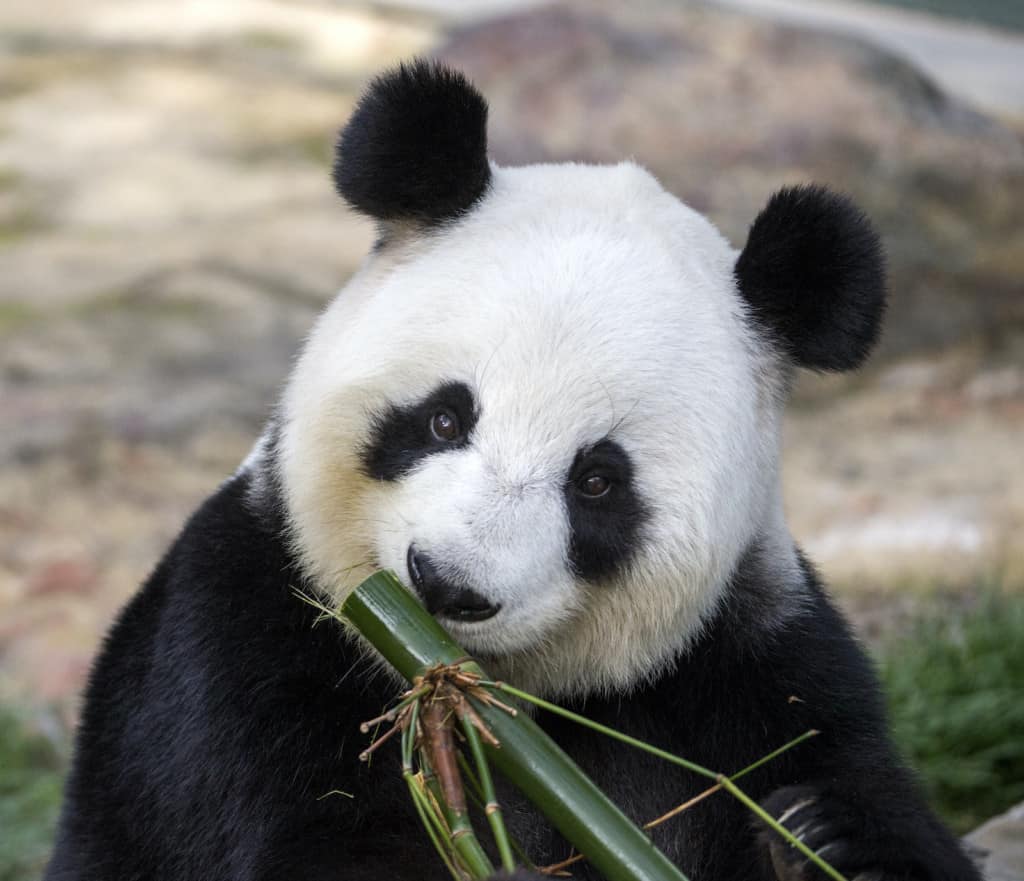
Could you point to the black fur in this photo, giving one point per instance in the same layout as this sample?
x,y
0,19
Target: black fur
x,y
400,436
813,274
218,718
605,530
415,147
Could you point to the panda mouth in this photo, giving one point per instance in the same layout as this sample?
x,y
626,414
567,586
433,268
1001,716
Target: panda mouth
x,y
469,610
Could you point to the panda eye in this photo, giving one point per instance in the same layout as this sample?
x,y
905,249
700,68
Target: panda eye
x,y
444,426
593,485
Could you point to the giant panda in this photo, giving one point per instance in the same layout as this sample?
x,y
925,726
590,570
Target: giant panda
x,y
551,401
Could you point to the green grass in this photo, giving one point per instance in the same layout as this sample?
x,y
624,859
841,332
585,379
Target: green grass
x,y
956,696
31,771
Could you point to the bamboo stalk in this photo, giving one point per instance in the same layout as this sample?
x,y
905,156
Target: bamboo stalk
x,y
384,612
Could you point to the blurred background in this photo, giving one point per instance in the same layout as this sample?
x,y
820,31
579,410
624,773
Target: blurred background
x,y
168,232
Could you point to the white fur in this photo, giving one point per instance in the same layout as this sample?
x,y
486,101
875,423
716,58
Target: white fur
x,y
577,302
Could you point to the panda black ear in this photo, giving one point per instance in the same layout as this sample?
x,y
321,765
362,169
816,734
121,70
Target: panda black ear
x,y
813,275
415,147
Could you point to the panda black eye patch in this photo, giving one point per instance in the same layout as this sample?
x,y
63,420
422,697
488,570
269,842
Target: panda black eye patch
x,y
605,510
400,436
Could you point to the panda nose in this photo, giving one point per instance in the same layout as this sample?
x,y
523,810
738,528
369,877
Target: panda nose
x,y
444,597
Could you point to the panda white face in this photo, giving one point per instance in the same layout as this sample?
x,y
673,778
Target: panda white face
x,y
546,418
550,399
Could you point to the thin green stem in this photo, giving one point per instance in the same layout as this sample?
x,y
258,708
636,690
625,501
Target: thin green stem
x,y
476,795
807,735
392,714
424,809
491,807
768,819
409,736
469,775
604,729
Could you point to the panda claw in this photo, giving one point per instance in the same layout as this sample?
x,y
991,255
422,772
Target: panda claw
x,y
821,825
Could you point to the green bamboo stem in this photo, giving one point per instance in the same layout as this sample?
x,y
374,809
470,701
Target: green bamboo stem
x,y
491,807
384,612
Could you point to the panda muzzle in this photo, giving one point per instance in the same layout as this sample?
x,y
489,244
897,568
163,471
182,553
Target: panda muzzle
x,y
443,596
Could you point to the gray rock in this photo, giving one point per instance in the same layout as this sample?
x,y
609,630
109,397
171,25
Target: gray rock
x,y
1000,845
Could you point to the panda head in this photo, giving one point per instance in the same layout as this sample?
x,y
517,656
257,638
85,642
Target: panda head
x,y
550,399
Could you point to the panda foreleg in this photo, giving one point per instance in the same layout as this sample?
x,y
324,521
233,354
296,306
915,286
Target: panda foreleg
x,y
873,831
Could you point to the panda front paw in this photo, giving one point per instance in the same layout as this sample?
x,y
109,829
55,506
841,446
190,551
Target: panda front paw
x,y
837,832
